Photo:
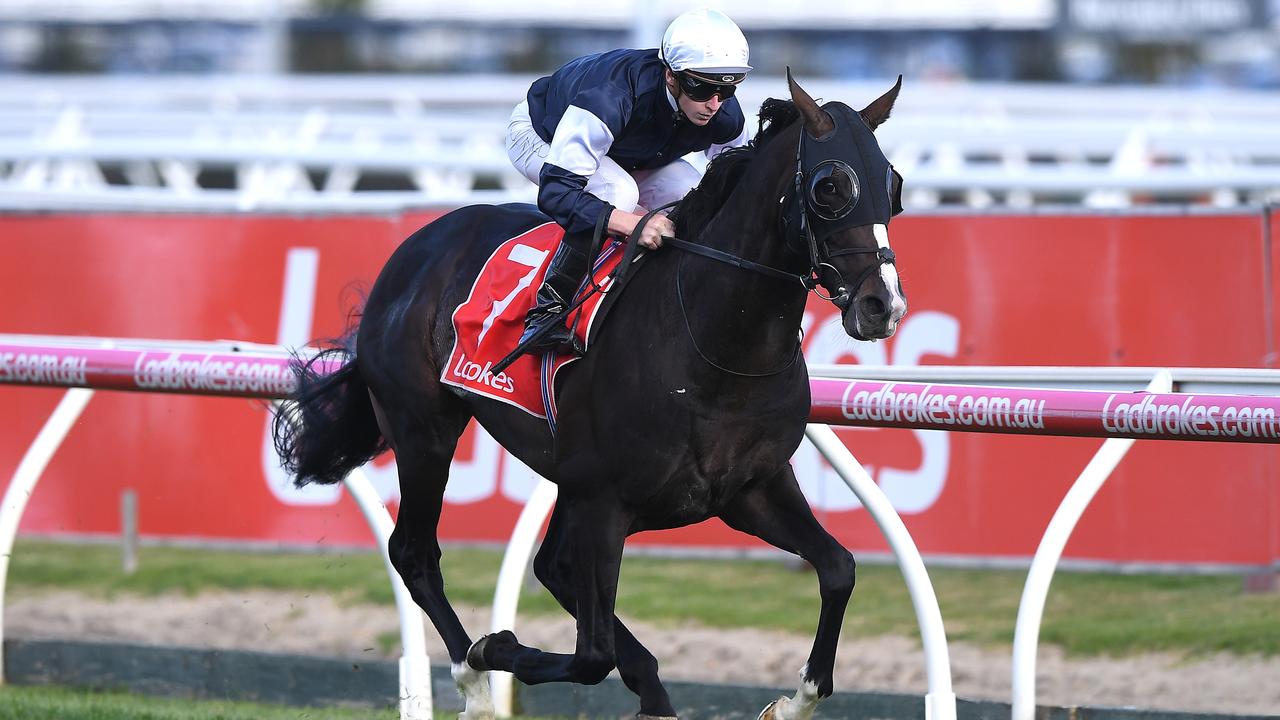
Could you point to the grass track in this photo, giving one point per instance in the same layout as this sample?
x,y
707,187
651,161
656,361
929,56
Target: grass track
x,y
50,703
1087,613
44,703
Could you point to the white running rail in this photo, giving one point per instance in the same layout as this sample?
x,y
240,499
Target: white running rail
x,y
1026,633
24,480
415,670
104,363
940,701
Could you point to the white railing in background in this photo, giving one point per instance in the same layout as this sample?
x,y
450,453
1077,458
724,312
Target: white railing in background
x,y
440,140
940,701
114,368
849,400
1191,380
1026,633
111,363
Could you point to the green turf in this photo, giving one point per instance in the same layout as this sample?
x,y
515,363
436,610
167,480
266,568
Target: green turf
x,y
53,703
1087,613
46,703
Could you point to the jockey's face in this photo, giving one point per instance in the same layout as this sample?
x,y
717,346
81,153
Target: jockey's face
x,y
698,113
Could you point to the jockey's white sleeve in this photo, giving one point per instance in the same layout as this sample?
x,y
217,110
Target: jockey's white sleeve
x,y
580,141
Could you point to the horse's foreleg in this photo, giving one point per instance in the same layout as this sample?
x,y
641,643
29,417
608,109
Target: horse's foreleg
x,y
637,666
596,530
775,511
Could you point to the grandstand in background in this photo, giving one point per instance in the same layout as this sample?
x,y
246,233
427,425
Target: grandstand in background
x,y
1221,43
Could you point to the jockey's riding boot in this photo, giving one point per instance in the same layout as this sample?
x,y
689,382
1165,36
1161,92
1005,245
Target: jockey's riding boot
x,y
564,275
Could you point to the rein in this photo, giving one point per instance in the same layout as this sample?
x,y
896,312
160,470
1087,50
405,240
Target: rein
x,y
720,256
734,260
795,354
802,202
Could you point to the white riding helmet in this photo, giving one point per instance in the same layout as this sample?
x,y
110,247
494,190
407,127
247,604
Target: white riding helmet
x,y
706,42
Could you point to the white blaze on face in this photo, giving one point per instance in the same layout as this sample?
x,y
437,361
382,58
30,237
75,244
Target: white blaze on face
x,y
889,274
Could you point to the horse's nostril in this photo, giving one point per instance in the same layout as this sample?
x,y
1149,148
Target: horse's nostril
x,y
873,307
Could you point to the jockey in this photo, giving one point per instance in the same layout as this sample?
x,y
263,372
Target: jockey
x,y
605,135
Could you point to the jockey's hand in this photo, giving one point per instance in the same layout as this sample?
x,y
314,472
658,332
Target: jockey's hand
x,y
622,222
658,225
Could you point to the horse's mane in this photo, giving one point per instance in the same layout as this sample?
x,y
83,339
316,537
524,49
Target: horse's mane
x,y
727,169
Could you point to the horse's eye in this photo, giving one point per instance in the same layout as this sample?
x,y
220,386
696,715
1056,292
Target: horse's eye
x,y
833,189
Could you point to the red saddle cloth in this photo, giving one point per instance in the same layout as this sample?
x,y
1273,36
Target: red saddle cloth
x,y
488,325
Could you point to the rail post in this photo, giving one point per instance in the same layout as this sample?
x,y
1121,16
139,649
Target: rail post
x,y
33,463
940,701
1026,633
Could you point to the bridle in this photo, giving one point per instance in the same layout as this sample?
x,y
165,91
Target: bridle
x,y
796,224
800,231
808,220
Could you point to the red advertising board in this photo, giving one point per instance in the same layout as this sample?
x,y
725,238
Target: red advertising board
x,y
1272,305
1145,290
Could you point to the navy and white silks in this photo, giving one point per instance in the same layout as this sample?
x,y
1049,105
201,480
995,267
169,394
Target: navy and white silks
x,y
603,131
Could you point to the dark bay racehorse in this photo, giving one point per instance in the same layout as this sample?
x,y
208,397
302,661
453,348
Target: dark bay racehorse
x,y
689,405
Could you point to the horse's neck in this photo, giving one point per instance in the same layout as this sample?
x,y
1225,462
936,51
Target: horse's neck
x,y
749,224
749,313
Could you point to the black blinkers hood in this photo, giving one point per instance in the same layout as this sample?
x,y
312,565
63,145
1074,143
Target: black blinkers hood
x,y
852,144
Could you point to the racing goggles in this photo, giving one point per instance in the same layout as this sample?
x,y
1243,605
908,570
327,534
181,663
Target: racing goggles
x,y
700,88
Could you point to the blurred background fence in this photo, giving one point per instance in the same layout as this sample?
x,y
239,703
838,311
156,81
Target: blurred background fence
x,y
380,141
1086,182
381,104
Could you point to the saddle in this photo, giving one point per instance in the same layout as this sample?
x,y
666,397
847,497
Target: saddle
x,y
489,323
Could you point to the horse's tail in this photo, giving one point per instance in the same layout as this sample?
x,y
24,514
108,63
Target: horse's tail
x,y
327,427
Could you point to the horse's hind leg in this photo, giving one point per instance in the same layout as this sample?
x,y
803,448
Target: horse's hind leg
x,y
424,432
595,530
775,511
637,666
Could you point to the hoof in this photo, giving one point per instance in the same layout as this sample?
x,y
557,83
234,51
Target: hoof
x,y
770,711
475,654
480,654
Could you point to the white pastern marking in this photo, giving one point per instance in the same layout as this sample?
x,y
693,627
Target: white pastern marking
x,y
801,706
473,685
889,274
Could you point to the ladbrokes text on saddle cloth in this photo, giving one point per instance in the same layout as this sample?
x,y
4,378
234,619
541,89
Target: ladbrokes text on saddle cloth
x,y
489,323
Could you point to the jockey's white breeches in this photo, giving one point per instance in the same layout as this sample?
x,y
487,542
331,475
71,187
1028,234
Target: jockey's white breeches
x,y
618,187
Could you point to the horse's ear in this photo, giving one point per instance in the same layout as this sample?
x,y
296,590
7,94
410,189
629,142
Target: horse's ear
x,y
878,111
816,120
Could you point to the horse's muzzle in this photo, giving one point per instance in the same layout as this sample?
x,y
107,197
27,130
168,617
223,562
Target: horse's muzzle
x,y
873,316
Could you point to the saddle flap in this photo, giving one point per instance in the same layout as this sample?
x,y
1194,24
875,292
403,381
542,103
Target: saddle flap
x,y
488,324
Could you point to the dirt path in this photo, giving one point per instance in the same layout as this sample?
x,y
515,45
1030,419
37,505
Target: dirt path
x,y
291,623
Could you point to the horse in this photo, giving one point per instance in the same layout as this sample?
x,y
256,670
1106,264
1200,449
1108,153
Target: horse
x,y
691,401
